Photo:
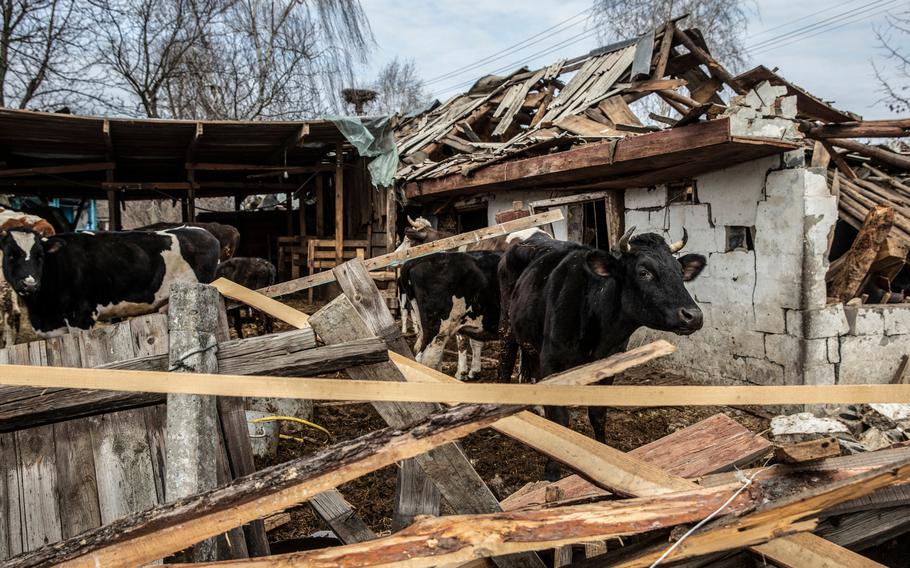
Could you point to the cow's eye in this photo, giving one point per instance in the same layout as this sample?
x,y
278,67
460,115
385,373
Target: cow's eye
x,y
645,274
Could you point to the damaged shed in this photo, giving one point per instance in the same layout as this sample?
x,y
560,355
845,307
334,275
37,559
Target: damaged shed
x,y
653,133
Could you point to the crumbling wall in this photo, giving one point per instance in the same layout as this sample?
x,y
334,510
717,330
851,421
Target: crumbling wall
x,y
871,342
502,201
766,321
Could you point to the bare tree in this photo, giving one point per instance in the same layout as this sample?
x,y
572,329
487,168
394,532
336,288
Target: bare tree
x,y
40,52
722,22
273,60
893,72
142,45
399,89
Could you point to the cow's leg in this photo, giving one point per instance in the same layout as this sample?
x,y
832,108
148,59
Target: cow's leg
x,y
417,324
432,354
476,361
461,341
507,359
403,303
267,324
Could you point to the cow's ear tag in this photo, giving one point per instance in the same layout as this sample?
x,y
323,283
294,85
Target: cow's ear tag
x,y
598,265
54,246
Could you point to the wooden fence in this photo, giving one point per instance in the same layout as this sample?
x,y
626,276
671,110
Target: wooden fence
x,y
58,480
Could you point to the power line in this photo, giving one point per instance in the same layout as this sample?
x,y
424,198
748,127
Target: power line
x,y
829,29
821,23
517,64
512,48
791,22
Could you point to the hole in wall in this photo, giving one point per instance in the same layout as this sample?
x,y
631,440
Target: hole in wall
x,y
682,192
739,238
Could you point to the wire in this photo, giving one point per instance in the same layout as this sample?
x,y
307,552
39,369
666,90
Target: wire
x,y
508,50
516,64
785,24
821,23
826,30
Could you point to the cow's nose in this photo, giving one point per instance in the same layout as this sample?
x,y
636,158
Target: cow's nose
x,y
691,317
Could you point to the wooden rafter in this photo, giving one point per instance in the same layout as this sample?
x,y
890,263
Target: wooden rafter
x,y
67,169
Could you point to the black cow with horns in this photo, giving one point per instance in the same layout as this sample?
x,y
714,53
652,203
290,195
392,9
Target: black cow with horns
x,y
74,279
565,304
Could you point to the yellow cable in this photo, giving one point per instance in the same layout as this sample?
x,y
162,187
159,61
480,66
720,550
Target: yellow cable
x,y
294,419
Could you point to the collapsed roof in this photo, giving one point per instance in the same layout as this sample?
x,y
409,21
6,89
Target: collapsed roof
x,y
570,124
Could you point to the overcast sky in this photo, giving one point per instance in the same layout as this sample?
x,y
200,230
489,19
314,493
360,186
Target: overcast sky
x,y
831,60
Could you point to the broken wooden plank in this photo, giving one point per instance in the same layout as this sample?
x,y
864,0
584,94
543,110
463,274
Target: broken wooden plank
x,y
784,517
641,63
392,258
808,451
158,532
715,444
847,282
897,128
460,538
881,154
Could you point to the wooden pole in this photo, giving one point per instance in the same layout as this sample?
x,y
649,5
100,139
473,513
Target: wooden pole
x,y
391,221
880,154
192,420
320,206
339,203
113,207
863,129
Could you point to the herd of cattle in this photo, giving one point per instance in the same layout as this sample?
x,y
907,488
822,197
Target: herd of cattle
x,y
560,304
72,280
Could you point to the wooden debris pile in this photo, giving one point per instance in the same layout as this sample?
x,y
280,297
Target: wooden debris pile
x,y
872,184
570,102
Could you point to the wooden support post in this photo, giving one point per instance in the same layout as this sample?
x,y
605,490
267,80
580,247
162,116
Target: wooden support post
x,y
614,206
113,208
339,203
391,221
192,442
301,213
289,212
320,205
191,204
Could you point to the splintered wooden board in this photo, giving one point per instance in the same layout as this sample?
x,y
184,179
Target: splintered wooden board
x,y
715,444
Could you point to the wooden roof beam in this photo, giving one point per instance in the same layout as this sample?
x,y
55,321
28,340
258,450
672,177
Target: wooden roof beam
x,y
68,169
214,166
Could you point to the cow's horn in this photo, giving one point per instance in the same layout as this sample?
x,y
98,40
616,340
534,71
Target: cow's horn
x,y
678,245
413,222
624,245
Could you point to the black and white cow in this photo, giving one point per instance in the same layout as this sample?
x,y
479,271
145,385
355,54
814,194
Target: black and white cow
x,y
253,273
227,235
455,294
73,280
566,304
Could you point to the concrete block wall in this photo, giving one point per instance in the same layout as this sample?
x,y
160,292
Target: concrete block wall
x,y
870,349
765,316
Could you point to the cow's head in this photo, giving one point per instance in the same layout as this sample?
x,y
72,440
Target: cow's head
x,y
421,231
653,291
24,252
